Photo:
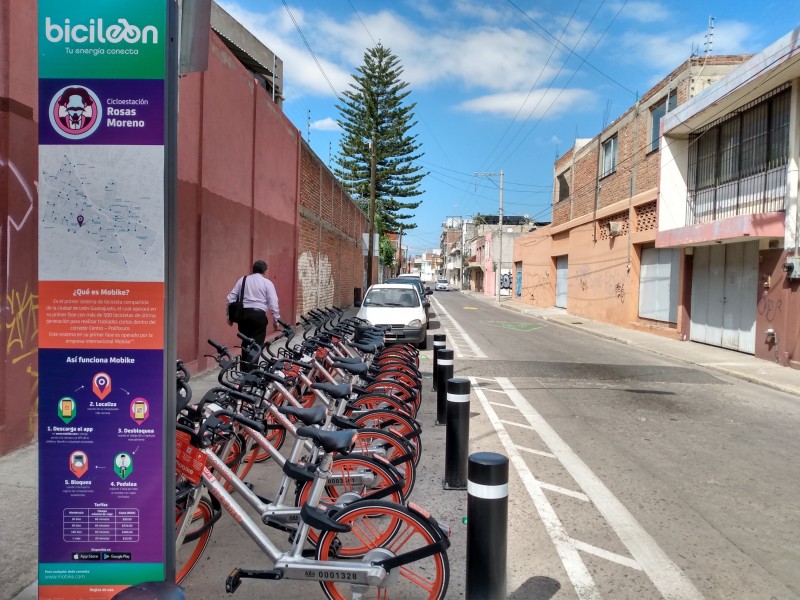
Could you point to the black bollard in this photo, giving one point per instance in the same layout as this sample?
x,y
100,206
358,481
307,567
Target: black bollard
x,y
444,371
487,526
457,435
439,342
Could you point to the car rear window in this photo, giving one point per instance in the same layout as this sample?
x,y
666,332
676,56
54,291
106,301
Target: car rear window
x,y
392,297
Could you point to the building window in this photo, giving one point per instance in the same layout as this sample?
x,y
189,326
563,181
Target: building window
x,y
656,114
738,164
563,185
609,156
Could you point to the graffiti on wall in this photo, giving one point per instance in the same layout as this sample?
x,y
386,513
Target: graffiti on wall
x,y
316,281
22,328
15,222
20,305
535,285
770,309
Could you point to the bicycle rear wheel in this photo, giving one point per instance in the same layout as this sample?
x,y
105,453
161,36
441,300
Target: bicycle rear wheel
x,y
426,578
394,448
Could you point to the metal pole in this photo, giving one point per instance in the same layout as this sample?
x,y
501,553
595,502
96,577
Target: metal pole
x,y
444,371
439,342
456,435
500,258
487,526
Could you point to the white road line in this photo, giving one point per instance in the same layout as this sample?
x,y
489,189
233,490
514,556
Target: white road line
x,y
564,491
670,581
574,566
472,345
522,425
500,404
612,556
539,452
497,392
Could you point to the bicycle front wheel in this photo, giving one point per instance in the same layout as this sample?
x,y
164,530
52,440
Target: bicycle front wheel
x,y
197,535
426,578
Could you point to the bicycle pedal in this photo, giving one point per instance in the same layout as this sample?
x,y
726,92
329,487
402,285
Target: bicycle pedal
x,y
234,580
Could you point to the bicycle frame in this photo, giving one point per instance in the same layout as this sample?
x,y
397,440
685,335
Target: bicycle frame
x,y
291,564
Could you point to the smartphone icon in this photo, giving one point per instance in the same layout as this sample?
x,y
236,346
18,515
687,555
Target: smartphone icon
x,y
139,410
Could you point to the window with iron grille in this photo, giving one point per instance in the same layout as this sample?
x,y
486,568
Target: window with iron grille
x,y
738,164
609,156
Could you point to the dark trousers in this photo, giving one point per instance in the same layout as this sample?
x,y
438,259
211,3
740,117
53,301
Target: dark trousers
x,y
254,324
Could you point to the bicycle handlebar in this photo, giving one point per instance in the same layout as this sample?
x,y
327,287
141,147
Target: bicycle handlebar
x,y
213,420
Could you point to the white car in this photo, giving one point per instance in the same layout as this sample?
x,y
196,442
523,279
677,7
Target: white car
x,y
442,284
399,306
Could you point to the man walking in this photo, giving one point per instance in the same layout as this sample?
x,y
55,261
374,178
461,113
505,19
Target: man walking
x,y
258,298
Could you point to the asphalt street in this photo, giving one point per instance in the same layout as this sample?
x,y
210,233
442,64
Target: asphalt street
x,y
640,467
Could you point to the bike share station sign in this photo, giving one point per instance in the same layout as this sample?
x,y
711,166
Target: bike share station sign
x,y
101,296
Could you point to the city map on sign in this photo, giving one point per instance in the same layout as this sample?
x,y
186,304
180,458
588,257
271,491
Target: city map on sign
x,y
109,218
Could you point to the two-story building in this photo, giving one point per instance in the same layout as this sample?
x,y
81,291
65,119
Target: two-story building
x,y
728,206
599,258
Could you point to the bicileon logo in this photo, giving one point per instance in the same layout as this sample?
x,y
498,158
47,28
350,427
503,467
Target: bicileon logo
x,y
97,31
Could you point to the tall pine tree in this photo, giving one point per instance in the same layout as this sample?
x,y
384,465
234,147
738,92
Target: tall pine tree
x,y
377,150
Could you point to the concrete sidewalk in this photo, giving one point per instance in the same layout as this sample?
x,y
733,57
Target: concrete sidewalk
x,y
736,364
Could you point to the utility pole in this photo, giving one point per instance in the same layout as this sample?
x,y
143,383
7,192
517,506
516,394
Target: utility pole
x,y
371,242
499,262
400,250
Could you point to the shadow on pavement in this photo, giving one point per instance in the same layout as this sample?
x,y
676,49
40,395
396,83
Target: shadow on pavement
x,y
536,588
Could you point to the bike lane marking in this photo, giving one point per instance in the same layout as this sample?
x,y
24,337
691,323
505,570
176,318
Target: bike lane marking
x,y
666,576
476,351
582,581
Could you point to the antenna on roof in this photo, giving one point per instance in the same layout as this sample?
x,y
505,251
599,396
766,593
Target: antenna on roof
x,y
606,113
709,43
308,127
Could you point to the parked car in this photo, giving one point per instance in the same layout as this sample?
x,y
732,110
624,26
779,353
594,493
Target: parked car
x,y
442,284
423,291
398,305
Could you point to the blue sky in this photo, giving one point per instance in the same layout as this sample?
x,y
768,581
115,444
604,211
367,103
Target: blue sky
x,y
498,85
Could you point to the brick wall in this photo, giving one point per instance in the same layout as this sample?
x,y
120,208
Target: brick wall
x,y
330,262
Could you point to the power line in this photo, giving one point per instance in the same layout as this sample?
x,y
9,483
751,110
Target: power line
x,y
535,83
310,50
539,120
570,50
362,22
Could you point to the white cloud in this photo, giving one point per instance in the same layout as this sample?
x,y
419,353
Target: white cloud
x,y
643,12
549,104
497,59
326,124
668,50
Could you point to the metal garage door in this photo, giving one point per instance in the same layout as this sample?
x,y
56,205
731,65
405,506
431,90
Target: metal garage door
x,y
724,291
658,284
562,269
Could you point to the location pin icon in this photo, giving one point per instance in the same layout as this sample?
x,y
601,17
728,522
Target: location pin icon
x,y
101,385
80,220
78,463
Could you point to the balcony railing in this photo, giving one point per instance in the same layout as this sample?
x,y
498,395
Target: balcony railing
x,y
759,193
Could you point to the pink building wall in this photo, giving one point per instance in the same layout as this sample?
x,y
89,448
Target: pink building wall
x,y
240,183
